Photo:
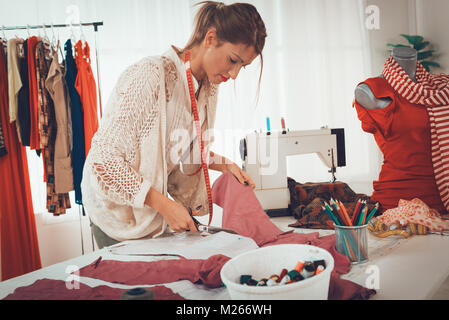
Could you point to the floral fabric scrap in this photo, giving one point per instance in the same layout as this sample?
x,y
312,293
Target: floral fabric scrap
x,y
414,211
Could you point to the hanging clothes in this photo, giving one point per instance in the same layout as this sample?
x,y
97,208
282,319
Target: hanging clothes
x,y
86,87
19,242
34,127
23,98
57,203
14,82
57,88
3,150
78,155
45,105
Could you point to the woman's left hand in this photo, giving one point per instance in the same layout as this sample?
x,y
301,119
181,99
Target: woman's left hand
x,y
241,175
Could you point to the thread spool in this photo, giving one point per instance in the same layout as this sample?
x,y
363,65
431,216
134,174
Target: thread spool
x,y
308,270
299,266
271,283
137,294
319,269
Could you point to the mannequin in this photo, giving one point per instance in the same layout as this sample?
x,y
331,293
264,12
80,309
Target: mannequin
x,y
401,127
406,57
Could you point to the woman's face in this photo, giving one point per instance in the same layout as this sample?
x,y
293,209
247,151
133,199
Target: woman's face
x,y
225,61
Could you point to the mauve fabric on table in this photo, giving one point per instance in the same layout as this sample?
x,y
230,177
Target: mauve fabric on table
x,y
243,213
198,271
48,289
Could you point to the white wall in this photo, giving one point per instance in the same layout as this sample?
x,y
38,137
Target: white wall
x,y
60,240
428,18
394,20
433,25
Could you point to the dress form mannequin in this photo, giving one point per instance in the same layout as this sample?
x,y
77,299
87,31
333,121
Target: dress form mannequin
x,y
406,57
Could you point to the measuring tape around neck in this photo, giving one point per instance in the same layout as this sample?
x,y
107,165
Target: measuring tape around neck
x,y
199,134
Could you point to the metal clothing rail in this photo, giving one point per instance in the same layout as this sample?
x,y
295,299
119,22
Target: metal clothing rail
x,y
95,25
45,26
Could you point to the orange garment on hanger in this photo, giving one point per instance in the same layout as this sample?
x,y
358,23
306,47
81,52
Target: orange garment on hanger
x,y
19,242
87,89
34,103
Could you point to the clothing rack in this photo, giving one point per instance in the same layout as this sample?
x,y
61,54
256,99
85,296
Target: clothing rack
x,y
45,26
95,25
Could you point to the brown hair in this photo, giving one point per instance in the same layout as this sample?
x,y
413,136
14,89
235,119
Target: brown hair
x,y
237,23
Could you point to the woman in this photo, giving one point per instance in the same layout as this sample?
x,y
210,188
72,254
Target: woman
x,y
134,161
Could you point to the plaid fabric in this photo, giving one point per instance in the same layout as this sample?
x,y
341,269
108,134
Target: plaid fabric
x,y
307,199
56,203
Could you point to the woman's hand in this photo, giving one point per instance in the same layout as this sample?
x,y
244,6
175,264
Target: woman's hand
x,y
179,219
222,164
177,216
241,175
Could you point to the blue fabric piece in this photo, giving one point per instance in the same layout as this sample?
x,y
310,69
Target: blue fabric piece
x,y
78,155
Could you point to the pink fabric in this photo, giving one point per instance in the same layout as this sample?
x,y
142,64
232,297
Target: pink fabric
x,y
206,272
414,211
241,212
47,289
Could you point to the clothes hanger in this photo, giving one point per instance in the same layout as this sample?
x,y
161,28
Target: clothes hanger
x,y
72,34
47,43
4,40
53,38
45,38
82,37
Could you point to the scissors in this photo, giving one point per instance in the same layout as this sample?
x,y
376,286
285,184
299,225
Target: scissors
x,y
205,228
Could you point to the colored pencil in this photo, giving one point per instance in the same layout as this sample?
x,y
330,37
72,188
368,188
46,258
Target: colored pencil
x,y
362,215
356,210
376,207
351,252
334,204
338,213
360,212
329,210
330,215
345,248
345,213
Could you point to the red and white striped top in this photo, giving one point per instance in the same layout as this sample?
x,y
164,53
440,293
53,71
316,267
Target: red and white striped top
x,y
430,91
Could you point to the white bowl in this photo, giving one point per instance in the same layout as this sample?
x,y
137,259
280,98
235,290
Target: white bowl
x,y
264,262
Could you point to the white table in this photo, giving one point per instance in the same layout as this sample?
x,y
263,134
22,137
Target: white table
x,y
411,268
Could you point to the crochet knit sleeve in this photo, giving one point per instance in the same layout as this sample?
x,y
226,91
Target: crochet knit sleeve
x,y
114,157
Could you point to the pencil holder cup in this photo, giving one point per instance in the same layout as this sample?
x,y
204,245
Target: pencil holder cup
x,y
352,242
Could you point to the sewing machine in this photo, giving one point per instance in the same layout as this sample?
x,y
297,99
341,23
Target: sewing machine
x,y
265,159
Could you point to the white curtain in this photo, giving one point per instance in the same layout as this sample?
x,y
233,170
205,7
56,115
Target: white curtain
x,y
316,53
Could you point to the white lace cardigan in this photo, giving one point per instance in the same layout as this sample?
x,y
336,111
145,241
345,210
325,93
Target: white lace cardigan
x,y
132,150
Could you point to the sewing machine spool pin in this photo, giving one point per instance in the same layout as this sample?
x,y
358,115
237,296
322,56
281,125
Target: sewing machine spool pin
x,y
333,169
